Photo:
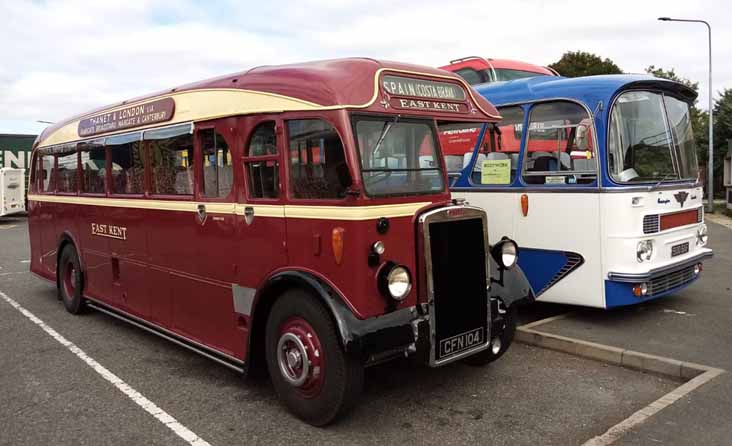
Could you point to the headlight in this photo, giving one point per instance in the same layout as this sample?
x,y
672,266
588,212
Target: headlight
x,y
701,235
505,253
398,282
644,251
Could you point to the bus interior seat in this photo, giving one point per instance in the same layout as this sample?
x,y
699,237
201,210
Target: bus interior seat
x,y
454,163
478,162
496,156
566,160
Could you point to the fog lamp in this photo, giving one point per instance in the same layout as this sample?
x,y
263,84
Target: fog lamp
x,y
640,290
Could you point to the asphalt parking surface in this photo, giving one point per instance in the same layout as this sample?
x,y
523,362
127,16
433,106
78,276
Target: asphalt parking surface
x,y
694,325
49,396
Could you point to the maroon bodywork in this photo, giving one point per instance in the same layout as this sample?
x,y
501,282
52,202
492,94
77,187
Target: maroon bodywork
x,y
177,273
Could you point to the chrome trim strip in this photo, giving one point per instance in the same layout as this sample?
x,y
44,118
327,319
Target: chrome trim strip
x,y
441,215
640,277
167,334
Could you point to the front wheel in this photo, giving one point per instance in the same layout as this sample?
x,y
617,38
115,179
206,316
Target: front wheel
x,y
500,342
70,280
309,369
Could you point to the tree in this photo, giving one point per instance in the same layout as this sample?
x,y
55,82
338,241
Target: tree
x,y
722,133
580,63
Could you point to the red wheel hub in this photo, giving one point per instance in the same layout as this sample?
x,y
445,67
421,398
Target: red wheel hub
x,y
300,357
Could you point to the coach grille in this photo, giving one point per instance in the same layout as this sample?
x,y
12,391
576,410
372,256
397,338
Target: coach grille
x,y
670,281
456,249
651,224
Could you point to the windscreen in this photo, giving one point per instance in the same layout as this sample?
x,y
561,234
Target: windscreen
x,y
650,139
398,156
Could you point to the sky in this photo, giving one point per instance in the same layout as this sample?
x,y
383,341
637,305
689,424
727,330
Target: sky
x,y
61,58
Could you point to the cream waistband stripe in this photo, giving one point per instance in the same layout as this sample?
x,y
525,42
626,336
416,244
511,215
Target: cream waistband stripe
x,y
260,210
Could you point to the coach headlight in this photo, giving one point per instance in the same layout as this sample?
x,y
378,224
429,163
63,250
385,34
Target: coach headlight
x,y
701,235
505,253
644,250
395,281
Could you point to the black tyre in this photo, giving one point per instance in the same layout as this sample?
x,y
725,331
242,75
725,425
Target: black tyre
x,y
507,331
311,373
70,280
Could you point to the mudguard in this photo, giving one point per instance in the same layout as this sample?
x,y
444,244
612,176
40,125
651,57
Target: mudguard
x,y
510,285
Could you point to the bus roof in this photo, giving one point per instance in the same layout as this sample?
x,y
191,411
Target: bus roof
x,y
320,85
588,89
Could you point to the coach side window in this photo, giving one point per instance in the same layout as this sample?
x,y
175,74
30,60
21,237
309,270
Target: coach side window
x,y
67,169
318,166
217,164
45,173
171,160
261,162
127,164
93,165
559,148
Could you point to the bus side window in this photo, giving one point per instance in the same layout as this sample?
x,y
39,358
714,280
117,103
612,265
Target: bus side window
x,y
261,163
559,147
171,160
218,173
93,165
67,169
127,164
45,171
318,166
499,157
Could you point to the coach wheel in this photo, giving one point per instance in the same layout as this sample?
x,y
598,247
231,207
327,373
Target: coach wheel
x,y
70,280
311,373
502,339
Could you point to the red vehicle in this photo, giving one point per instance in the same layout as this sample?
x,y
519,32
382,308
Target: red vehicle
x,y
479,70
293,217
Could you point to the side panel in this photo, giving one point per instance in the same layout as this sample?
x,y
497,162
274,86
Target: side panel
x,y
557,226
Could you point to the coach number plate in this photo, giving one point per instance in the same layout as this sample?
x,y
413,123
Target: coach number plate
x,y
464,341
681,248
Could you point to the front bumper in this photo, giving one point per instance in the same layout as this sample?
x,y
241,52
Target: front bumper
x,y
659,282
660,271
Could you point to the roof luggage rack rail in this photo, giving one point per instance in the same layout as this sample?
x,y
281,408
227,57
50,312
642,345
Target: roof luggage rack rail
x,y
463,59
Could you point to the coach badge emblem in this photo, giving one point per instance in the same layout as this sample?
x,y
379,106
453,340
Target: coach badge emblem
x,y
681,197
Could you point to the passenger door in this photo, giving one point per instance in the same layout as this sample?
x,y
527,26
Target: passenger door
x,y
205,310
261,243
559,232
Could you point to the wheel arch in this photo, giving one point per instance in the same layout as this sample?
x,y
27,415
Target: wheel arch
x,y
275,287
66,238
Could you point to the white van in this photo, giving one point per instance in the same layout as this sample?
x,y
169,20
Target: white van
x,y
12,191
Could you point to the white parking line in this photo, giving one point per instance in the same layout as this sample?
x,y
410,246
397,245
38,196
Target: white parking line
x,y
139,399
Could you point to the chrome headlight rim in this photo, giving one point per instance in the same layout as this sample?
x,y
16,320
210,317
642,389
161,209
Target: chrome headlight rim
x,y
644,251
395,281
505,253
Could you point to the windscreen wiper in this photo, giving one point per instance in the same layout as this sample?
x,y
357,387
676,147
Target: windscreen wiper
x,y
387,126
668,176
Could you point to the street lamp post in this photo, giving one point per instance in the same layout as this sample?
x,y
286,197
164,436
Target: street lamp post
x,y
710,165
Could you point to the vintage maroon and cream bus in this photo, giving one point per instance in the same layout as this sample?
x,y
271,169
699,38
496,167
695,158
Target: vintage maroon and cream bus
x,y
296,217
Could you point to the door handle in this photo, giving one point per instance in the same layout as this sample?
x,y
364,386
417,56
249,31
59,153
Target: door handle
x,y
249,215
201,212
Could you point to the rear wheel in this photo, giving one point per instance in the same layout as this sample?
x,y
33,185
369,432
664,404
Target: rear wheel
x,y
311,373
500,342
70,280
